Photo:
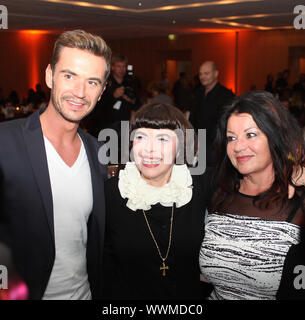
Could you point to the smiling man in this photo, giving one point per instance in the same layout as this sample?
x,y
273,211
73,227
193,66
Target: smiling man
x,y
52,203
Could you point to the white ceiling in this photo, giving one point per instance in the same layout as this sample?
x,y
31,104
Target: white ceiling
x,y
145,18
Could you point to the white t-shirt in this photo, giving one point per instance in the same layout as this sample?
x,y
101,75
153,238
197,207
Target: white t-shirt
x,y
72,205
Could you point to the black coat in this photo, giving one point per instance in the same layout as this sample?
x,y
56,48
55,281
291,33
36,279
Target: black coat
x,y
206,111
132,264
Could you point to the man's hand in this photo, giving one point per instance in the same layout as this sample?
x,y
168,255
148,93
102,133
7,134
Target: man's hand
x,y
118,92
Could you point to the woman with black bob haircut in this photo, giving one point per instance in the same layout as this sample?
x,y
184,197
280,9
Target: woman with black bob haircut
x,y
155,213
165,116
251,222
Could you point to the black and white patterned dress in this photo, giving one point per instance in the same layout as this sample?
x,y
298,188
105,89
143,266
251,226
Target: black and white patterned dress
x,y
243,256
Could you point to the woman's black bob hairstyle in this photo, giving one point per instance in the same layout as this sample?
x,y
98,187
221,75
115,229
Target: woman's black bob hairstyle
x,y
286,145
165,116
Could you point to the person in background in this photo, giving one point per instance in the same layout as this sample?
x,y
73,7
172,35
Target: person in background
x,y
196,82
281,82
208,102
118,103
269,83
31,97
300,85
40,96
296,106
165,81
13,98
120,98
182,91
157,93
251,222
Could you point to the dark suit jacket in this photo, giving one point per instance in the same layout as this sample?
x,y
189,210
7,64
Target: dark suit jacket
x,y
26,208
206,111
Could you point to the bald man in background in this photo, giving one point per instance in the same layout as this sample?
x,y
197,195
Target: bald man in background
x,y
209,99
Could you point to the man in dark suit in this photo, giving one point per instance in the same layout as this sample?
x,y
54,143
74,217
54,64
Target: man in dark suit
x,y
51,182
209,99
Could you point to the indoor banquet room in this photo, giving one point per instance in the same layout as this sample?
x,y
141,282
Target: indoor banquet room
x,y
152,155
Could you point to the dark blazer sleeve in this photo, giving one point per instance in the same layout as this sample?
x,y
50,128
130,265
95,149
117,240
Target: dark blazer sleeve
x,y
96,222
4,221
4,229
224,98
109,261
26,202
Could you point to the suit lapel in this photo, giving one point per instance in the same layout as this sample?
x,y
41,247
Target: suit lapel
x,y
37,155
96,222
96,178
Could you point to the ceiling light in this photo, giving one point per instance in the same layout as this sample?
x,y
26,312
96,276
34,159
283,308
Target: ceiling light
x,y
154,9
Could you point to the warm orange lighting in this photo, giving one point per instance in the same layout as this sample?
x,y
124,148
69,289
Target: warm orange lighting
x,y
30,39
205,30
224,21
34,31
172,70
230,84
302,65
163,8
255,16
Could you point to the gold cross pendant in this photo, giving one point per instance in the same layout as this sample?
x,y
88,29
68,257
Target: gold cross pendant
x,y
163,268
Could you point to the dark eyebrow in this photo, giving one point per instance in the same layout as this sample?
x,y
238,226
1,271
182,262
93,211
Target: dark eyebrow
x,y
250,128
74,74
68,71
229,131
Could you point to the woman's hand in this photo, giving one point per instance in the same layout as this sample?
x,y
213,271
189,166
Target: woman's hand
x,y
298,178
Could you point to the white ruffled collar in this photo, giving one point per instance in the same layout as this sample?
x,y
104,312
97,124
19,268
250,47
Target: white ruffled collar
x,y
141,195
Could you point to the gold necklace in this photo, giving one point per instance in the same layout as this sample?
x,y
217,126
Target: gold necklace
x,y
163,268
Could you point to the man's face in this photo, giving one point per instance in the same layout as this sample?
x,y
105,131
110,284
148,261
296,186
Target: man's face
x,y
77,83
119,69
207,75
